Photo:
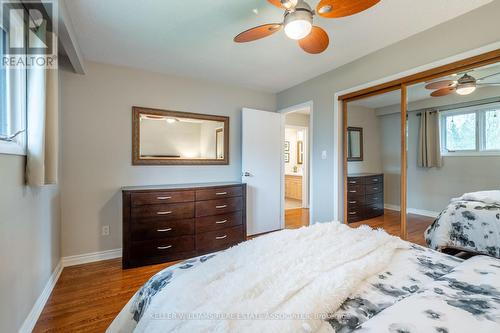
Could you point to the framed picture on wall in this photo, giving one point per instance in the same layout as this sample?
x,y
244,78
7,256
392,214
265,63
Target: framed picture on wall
x,y
287,157
300,152
287,146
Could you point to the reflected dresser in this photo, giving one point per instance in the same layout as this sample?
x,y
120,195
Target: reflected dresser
x,y
172,222
365,196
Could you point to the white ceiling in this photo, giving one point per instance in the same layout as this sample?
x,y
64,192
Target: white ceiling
x,y
195,38
418,92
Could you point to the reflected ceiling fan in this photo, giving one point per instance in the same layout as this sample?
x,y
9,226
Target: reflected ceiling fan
x,y
465,85
298,21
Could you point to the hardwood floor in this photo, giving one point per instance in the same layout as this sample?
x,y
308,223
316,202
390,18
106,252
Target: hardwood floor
x,y
296,218
390,222
88,297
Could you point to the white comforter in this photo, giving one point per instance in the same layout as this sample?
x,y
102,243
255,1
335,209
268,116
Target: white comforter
x,y
294,274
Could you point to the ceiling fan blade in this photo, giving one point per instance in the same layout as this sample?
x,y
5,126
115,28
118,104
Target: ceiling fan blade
x,y
283,5
488,76
341,8
258,32
440,84
489,84
443,91
316,42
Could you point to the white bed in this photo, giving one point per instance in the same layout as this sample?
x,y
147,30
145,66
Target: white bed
x,y
324,278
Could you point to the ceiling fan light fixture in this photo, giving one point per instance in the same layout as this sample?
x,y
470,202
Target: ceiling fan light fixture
x,y
466,89
298,24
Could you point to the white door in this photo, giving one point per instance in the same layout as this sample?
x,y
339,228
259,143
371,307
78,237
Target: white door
x,y
261,169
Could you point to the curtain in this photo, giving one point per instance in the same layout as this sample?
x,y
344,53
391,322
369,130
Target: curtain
x,y
429,148
42,126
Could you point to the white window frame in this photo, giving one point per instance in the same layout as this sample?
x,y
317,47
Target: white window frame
x,y
16,94
480,112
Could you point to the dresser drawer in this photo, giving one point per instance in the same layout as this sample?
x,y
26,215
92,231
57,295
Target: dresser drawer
x,y
166,211
371,189
355,190
354,181
216,240
374,210
163,247
152,198
217,222
376,198
217,207
373,180
154,229
218,193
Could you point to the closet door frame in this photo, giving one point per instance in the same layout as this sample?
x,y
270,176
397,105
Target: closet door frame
x,y
402,85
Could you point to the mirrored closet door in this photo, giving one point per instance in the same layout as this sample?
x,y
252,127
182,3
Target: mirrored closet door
x,y
454,149
373,161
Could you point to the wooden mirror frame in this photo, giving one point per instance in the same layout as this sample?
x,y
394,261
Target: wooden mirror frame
x,y
360,130
402,84
136,131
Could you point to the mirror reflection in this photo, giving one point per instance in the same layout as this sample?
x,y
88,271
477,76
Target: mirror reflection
x,y
165,137
454,161
354,143
374,162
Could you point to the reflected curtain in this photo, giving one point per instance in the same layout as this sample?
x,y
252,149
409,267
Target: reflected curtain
x,y
42,126
429,147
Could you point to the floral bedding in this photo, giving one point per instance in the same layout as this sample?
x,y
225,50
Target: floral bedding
x,y
421,291
472,226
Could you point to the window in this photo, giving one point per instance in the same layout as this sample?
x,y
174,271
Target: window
x,y
12,103
471,131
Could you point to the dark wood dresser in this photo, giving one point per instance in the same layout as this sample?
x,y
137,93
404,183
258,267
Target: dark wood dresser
x,y
365,196
172,222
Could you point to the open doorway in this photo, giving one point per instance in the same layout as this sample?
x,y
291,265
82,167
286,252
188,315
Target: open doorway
x,y
297,134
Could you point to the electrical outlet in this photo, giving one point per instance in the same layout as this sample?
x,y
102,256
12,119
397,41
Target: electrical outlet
x,y
323,155
105,230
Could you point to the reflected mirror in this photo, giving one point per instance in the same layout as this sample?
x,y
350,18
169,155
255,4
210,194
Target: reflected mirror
x,y
373,150
354,143
453,135
171,137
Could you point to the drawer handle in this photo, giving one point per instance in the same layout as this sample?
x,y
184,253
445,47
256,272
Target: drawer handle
x,y
375,198
221,193
353,191
221,222
163,198
164,213
375,188
164,230
352,202
164,247
375,180
352,213
221,237
353,182
222,206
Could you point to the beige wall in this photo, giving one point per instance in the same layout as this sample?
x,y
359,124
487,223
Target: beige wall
x,y
359,116
97,143
475,29
30,241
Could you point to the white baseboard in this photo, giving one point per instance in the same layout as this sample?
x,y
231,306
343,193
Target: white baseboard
x,y
423,212
30,321
91,257
392,207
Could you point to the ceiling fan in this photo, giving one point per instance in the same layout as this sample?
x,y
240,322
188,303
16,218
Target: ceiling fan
x,y
298,21
465,85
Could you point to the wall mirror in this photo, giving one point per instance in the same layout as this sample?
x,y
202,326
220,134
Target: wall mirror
x,y
178,138
354,144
